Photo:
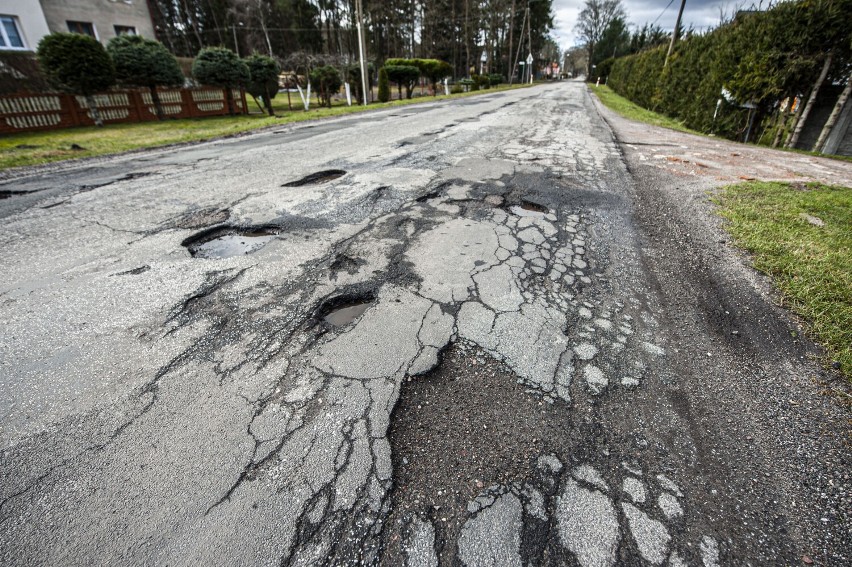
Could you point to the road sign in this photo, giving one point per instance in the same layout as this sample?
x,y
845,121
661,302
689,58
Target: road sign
x,y
529,59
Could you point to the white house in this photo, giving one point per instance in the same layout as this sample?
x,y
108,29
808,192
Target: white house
x,y
24,22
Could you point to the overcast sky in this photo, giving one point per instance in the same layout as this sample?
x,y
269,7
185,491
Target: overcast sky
x,y
699,13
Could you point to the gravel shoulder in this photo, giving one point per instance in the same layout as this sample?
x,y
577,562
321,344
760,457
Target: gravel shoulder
x,y
771,421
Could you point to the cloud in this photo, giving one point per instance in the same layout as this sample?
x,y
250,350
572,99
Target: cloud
x,y
701,14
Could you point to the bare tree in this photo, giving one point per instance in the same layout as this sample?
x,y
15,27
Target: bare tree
x,y
594,19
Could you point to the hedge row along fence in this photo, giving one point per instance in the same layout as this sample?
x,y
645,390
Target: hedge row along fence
x,y
760,58
31,112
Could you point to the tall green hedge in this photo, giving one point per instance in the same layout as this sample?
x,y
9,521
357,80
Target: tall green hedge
x,y
689,87
760,57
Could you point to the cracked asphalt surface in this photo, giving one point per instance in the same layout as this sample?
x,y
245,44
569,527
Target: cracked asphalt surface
x,y
486,332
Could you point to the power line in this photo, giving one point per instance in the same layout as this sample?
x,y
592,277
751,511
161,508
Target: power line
x,y
663,12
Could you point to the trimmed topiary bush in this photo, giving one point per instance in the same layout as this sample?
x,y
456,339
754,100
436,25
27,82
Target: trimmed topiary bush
x,y
404,76
435,70
220,67
353,74
263,79
384,88
142,62
78,64
481,82
327,81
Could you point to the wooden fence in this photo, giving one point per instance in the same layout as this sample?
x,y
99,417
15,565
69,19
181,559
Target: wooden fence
x,y
29,112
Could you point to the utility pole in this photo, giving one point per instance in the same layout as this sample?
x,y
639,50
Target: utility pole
x,y
362,52
674,33
511,33
529,41
518,54
236,44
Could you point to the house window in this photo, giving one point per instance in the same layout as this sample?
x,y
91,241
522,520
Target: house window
x,y
85,28
10,34
125,30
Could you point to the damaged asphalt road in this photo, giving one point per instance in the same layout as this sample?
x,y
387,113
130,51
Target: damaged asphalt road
x,y
422,338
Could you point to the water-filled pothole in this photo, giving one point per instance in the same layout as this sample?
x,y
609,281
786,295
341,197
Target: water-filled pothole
x,y
317,178
229,242
529,209
342,310
346,314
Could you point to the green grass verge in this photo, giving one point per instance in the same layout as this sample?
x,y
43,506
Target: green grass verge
x,y
36,148
635,112
811,265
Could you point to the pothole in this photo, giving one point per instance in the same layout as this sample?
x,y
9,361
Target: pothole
x,y
229,242
5,193
529,209
317,178
494,200
342,310
434,193
202,218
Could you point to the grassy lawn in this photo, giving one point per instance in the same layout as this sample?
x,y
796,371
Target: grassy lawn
x,y
811,265
635,112
45,147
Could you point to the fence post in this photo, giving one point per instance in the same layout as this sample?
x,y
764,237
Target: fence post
x,y
243,96
138,105
186,97
72,108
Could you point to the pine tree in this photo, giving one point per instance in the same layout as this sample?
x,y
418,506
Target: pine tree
x,y
79,64
141,62
220,67
384,88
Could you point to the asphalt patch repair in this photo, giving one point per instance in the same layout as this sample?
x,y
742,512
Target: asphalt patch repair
x,y
465,426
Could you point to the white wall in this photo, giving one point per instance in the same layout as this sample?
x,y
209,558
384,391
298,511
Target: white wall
x,y
103,14
33,25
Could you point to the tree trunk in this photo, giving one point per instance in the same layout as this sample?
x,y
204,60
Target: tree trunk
x,y
796,115
229,96
589,62
257,102
158,106
782,121
800,125
267,100
93,108
835,114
